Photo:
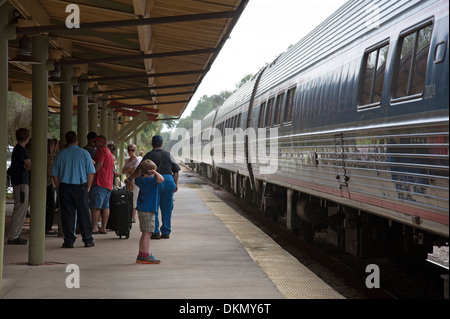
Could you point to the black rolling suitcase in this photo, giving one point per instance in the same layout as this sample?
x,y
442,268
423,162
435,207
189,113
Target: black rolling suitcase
x,y
120,212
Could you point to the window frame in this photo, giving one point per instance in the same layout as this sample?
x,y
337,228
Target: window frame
x,y
278,109
262,114
362,74
288,106
268,121
412,30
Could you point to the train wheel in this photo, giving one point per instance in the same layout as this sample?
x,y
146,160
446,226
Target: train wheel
x,y
306,231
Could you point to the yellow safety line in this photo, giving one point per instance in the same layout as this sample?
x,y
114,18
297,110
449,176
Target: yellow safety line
x,y
291,278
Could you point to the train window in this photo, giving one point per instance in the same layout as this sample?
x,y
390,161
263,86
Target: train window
x,y
412,60
262,112
372,77
269,112
239,120
279,109
289,108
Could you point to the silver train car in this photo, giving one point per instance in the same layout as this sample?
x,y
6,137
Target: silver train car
x,y
346,131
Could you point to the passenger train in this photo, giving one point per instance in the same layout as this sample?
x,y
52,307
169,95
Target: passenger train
x,y
360,111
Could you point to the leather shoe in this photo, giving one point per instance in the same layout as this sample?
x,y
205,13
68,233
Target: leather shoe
x,y
18,241
67,245
156,236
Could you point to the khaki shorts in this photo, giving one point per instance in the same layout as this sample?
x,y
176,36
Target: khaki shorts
x,y
146,221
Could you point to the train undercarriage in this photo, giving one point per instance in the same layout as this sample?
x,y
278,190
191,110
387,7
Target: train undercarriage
x,y
359,233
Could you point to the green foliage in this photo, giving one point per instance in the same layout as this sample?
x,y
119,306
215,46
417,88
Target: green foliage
x,y
19,115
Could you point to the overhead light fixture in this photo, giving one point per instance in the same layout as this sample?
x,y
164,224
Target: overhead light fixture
x,y
76,90
55,76
25,53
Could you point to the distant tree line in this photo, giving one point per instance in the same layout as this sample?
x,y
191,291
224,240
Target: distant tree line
x,y
204,106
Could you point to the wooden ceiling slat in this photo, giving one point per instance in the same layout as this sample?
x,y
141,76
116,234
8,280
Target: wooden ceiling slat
x,y
168,74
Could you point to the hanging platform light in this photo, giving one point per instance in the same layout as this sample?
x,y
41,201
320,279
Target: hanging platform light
x,y
55,76
25,53
76,90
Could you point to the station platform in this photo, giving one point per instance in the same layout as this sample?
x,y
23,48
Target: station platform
x,y
213,253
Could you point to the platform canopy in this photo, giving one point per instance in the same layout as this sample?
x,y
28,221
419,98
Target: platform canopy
x,y
138,55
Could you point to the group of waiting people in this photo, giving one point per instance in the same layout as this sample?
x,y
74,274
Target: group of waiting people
x,y
83,178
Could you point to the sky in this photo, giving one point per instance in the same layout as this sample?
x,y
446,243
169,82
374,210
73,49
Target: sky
x,y
265,29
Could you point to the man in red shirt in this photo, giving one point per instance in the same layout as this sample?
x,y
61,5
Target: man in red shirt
x,y
101,186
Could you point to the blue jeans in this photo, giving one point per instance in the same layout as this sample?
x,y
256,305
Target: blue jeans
x,y
165,191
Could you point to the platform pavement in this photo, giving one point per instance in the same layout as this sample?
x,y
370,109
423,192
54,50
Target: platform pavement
x,y
203,259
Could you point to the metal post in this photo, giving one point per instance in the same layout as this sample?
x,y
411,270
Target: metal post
x,y
5,35
82,123
39,130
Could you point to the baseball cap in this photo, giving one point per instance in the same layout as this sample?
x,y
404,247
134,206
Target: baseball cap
x,y
157,140
100,138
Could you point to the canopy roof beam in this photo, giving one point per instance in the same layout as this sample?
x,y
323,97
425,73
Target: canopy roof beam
x,y
113,91
137,57
136,76
128,23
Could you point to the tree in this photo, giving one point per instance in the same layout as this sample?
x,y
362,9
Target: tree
x,y
204,105
246,78
19,115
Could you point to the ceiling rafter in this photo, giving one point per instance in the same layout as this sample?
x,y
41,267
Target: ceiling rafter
x,y
158,47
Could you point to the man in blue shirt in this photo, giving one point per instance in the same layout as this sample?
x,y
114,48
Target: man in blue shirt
x,y
73,172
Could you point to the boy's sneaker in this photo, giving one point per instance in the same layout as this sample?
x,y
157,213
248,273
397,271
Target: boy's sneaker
x,y
147,260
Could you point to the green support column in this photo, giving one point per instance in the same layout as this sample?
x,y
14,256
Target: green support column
x,y
121,152
82,123
93,118
93,112
5,35
65,115
104,119
39,162
66,103
115,128
110,124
